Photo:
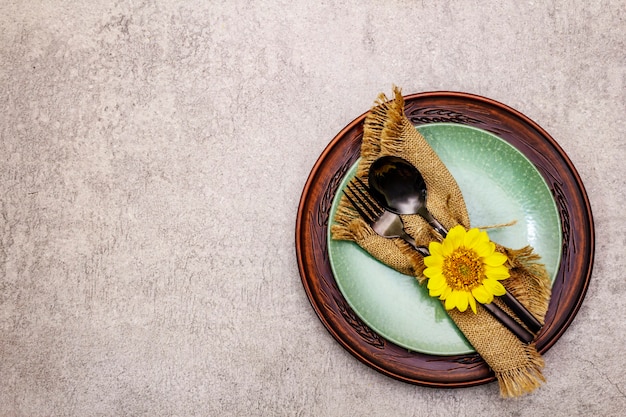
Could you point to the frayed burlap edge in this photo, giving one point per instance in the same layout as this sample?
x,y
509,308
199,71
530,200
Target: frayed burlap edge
x,y
518,382
532,284
513,380
382,131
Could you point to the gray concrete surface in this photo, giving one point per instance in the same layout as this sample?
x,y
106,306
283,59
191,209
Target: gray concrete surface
x,y
153,154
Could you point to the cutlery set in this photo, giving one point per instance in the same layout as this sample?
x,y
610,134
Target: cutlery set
x,y
397,187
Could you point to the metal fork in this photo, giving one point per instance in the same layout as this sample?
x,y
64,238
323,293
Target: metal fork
x,y
390,225
383,222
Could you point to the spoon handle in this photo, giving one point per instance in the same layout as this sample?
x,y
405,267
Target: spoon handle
x,y
520,311
432,221
515,328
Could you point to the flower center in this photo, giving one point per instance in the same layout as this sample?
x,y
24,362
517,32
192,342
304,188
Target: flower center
x,y
463,269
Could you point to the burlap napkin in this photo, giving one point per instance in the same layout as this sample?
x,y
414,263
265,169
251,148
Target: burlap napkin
x,y
387,131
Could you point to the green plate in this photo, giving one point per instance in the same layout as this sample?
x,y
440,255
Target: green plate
x,y
499,185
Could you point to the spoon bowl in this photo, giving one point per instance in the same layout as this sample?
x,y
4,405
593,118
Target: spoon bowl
x,y
397,185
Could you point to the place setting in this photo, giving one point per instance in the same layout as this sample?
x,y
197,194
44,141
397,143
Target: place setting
x,y
446,240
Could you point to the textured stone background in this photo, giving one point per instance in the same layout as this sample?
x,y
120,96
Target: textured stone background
x,y
153,154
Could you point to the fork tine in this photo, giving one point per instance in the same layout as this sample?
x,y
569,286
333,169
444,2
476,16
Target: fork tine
x,y
366,216
361,183
362,202
365,193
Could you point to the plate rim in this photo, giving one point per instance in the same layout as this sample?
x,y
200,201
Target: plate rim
x,y
569,288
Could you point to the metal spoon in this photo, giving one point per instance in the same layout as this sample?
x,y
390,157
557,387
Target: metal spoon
x,y
401,189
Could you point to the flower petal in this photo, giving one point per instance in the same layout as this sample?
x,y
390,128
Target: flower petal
x,y
497,272
482,295
434,261
449,304
438,281
461,300
484,249
456,300
495,259
483,237
447,247
446,293
494,286
432,272
457,236
453,240
471,238
435,249
472,302
435,292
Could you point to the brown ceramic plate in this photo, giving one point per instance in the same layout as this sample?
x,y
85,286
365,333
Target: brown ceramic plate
x,y
526,136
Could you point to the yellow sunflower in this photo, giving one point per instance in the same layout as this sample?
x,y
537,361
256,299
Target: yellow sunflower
x,y
465,268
